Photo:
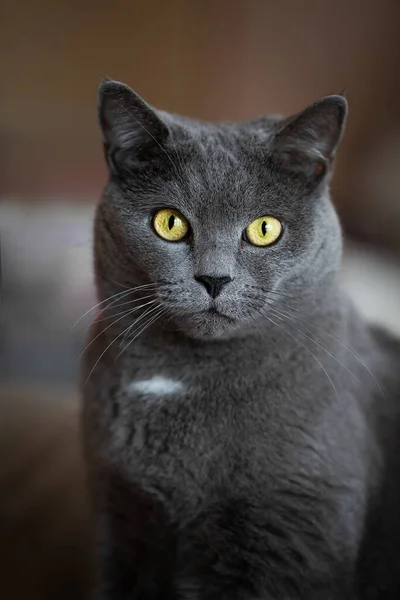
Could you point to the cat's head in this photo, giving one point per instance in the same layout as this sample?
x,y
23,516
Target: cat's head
x,y
220,221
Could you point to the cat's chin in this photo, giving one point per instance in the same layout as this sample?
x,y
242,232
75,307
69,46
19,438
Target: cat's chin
x,y
208,325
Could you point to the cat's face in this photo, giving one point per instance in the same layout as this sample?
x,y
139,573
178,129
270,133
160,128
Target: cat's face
x,y
226,221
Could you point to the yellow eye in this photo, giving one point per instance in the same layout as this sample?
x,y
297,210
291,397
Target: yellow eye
x,y
263,231
170,225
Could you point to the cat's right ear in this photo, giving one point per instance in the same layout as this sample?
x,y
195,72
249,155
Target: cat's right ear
x,y
133,133
307,142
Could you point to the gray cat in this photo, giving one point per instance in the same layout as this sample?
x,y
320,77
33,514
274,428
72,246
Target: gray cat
x,y
240,418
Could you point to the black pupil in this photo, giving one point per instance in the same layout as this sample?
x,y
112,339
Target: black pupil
x,y
264,228
171,221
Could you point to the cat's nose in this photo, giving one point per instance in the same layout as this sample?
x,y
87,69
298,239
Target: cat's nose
x,y
213,285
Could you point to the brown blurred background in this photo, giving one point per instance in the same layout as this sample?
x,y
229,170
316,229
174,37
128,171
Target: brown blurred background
x,y
216,59
221,59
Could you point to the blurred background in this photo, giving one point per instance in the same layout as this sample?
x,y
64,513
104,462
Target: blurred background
x,y
213,59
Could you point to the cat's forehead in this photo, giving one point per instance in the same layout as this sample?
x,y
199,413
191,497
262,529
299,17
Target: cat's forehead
x,y
222,167
227,143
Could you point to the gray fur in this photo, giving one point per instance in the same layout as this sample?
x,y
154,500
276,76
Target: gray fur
x,y
266,469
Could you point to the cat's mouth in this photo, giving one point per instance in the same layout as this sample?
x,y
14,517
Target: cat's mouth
x,y
207,323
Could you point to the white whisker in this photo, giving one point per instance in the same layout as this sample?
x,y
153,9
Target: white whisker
x,y
319,345
146,326
128,310
113,342
348,348
285,332
108,327
112,280
144,315
119,294
113,297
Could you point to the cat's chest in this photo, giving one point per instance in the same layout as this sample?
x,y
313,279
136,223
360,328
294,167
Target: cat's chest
x,y
216,387
237,374
187,440
206,393
186,437
183,433
204,414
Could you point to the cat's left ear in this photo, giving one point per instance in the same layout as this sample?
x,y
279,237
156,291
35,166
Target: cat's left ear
x,y
133,132
308,141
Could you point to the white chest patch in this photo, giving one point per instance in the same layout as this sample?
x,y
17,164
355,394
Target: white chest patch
x,y
156,385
